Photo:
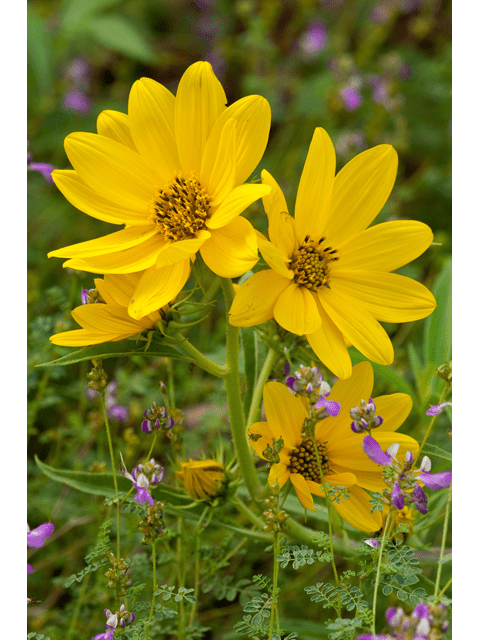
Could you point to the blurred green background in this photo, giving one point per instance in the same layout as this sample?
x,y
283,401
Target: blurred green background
x,y
368,72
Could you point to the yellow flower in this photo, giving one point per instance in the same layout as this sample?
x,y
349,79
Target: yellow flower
x,y
107,320
202,479
172,171
329,276
343,460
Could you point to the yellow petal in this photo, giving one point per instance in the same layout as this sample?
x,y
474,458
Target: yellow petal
x,y
356,511
151,112
279,473
357,324
235,203
232,250
219,164
118,241
360,190
389,297
108,318
259,444
281,225
296,310
117,289
81,338
387,246
115,125
329,345
302,491
200,101
252,115
112,169
346,479
312,206
285,413
273,257
95,205
394,409
142,256
158,287
255,299
181,249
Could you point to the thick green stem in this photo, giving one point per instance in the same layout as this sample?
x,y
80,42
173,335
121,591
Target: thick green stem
x,y
442,547
152,606
112,460
203,362
235,408
379,567
254,412
248,513
429,428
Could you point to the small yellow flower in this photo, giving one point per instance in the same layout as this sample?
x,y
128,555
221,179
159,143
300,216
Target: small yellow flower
x,y
330,276
202,479
173,172
342,457
107,320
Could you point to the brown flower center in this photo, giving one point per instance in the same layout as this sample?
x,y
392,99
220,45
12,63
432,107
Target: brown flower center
x,y
310,263
181,208
304,461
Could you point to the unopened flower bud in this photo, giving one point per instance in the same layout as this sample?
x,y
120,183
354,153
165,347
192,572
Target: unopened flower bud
x,y
202,479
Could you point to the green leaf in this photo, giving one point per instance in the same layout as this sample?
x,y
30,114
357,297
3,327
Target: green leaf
x,y
438,326
39,48
437,452
116,350
77,13
446,558
387,590
117,33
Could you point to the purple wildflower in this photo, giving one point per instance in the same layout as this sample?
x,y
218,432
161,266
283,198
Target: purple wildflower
x,y
114,411
372,542
365,418
374,451
350,94
331,406
119,619
44,168
142,477
397,498
436,481
36,537
314,39
77,101
436,409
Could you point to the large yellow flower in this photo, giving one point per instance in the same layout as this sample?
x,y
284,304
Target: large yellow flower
x,y
343,460
329,276
172,171
107,319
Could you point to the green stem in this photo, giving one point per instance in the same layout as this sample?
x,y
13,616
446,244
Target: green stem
x,y
112,460
248,513
200,360
78,604
152,445
254,412
442,548
379,566
274,586
152,606
429,428
181,576
235,408
444,589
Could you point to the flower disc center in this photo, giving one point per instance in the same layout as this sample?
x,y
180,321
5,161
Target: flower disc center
x,y
181,208
310,264
304,461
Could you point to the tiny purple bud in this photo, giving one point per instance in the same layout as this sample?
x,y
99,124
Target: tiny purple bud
x,y
36,537
377,421
409,457
426,464
29,568
147,426
372,542
83,296
77,101
393,616
355,426
436,409
286,369
309,387
397,498
422,611
420,499
44,168
118,412
290,381
373,450
393,449
436,481
332,407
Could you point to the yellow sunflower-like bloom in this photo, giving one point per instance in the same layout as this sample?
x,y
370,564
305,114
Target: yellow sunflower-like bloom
x,y
202,479
343,460
330,276
172,171
107,320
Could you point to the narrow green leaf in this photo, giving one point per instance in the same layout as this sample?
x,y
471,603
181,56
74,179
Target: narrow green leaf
x,y
39,48
116,350
437,452
77,13
438,326
117,33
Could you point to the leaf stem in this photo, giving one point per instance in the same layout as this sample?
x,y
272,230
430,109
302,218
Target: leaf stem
x,y
442,547
379,566
254,412
112,460
274,586
202,361
154,570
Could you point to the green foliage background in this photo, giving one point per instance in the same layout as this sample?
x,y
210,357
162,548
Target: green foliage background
x,y
255,46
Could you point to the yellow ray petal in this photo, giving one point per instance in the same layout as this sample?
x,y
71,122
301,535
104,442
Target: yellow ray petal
x,y
255,299
285,413
115,125
82,338
357,324
389,297
235,203
219,164
356,511
387,246
360,190
394,409
281,225
273,257
329,345
113,170
296,311
279,473
200,101
181,249
158,287
108,318
259,444
315,189
117,289
151,112
302,491
113,242
93,204
138,258
252,115
232,250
